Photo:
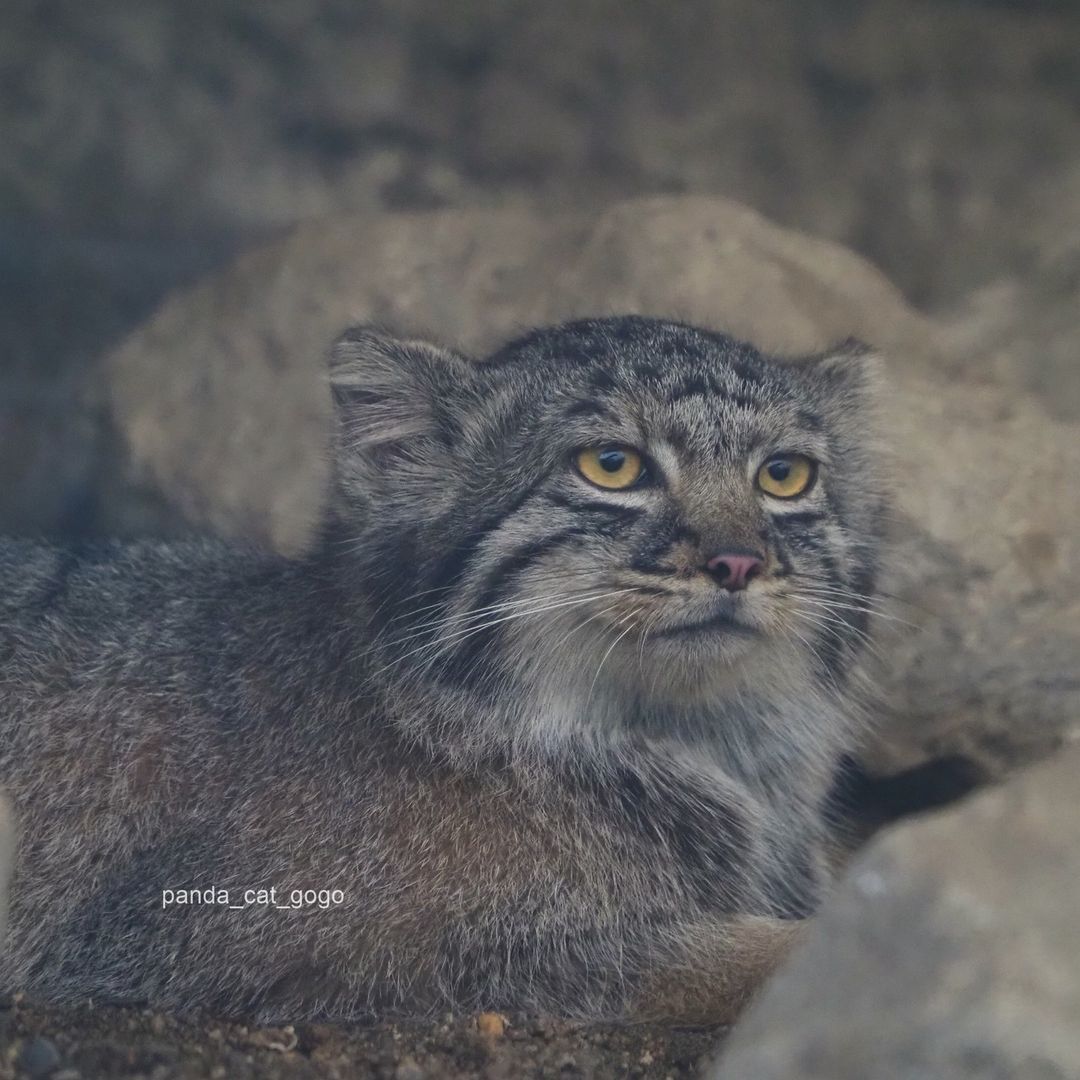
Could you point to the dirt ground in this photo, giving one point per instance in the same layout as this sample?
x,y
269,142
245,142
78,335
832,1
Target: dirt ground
x,y
128,1044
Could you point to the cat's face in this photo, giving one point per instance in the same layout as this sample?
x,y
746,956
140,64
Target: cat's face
x,y
620,500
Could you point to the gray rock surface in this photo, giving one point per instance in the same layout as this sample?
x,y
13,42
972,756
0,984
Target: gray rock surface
x,y
221,402
949,952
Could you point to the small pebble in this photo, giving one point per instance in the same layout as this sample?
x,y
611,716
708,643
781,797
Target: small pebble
x,y
491,1024
283,1040
39,1057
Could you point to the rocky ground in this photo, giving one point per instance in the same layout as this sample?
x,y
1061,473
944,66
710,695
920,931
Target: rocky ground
x,y
146,145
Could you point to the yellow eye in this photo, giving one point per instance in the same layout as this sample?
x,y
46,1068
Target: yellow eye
x,y
612,467
786,476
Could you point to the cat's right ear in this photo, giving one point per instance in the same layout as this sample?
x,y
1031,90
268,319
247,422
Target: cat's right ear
x,y
395,400
851,372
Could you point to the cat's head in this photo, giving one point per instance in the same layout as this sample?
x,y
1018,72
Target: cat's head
x,y
618,506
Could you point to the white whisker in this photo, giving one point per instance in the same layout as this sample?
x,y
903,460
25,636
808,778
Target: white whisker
x,y
603,660
444,642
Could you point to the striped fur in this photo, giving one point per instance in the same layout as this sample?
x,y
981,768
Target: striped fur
x,y
549,763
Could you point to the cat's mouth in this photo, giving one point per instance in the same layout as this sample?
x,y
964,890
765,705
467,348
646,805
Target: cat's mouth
x,y
722,620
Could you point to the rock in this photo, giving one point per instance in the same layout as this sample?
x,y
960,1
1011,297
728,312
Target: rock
x,y
949,950
911,127
985,568
1024,331
39,1057
501,144
221,401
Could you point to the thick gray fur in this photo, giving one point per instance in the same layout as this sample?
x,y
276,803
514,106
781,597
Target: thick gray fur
x,y
569,802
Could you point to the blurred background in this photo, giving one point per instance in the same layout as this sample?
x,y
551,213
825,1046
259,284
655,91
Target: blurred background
x,y
146,142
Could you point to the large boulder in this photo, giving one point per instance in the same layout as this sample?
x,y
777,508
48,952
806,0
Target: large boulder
x,y
949,951
1025,329
222,405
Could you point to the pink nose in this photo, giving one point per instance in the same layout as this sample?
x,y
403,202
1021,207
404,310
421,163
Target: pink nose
x,y
734,572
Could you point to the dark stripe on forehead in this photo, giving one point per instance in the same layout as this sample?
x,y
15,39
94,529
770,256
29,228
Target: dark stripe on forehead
x,y
706,387
590,407
551,346
678,440
692,386
746,370
647,371
602,379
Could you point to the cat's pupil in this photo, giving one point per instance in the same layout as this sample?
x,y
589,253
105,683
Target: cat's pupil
x,y
611,460
779,470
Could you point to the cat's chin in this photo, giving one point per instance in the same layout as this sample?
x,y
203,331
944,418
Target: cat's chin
x,y
708,671
697,651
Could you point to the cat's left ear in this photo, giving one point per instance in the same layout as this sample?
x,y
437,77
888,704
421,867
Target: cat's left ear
x,y
851,373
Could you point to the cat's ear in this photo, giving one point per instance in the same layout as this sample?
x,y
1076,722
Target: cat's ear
x,y
395,397
850,373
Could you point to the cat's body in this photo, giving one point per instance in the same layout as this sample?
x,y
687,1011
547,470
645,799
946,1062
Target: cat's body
x,y
547,756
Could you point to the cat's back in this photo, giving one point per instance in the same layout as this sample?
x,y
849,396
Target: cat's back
x,y
111,577
93,633
28,572
110,598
